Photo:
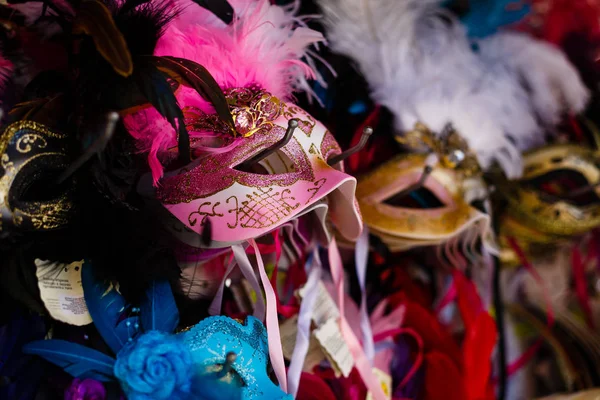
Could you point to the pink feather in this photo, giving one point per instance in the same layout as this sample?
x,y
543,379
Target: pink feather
x,y
263,46
6,70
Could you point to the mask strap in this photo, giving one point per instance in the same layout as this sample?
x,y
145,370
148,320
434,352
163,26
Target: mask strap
x,y
271,321
217,303
246,267
447,299
420,353
313,264
361,259
362,364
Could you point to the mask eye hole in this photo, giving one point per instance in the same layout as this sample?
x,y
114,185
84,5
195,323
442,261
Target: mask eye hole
x,y
225,373
276,163
561,183
39,186
421,198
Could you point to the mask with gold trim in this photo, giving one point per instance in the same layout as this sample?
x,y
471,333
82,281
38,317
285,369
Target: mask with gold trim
x,y
275,165
31,153
270,167
448,177
245,201
541,201
217,358
556,199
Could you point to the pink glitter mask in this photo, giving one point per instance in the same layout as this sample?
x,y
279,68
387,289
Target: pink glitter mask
x,y
242,205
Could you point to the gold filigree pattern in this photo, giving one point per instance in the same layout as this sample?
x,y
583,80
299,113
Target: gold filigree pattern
x,y
45,216
265,207
15,127
452,149
193,217
253,110
24,143
314,190
27,147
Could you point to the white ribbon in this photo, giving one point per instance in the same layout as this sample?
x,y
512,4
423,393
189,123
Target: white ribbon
x,y
311,290
361,261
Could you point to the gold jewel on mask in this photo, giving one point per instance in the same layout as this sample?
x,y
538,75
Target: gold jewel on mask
x,y
30,152
253,110
452,150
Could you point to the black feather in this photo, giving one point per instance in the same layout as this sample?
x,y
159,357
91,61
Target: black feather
x,y
98,87
194,75
115,174
123,244
221,8
157,90
131,5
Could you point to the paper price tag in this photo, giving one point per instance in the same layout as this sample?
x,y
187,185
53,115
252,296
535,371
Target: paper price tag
x,y
61,291
336,349
325,308
314,354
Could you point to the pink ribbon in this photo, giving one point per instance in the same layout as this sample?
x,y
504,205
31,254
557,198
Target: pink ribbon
x,y
362,364
272,322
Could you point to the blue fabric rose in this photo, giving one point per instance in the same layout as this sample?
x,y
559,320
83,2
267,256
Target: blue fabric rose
x,y
155,366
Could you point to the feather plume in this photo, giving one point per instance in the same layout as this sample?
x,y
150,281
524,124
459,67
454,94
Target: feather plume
x,y
159,311
554,85
107,307
263,46
126,245
221,8
75,359
6,70
420,64
94,19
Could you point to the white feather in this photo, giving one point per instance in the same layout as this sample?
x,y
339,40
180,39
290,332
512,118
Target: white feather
x,y
419,63
553,83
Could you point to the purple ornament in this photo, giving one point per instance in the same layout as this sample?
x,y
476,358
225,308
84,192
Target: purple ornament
x,y
86,389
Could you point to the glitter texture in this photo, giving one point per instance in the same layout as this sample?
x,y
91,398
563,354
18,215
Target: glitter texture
x,y
213,338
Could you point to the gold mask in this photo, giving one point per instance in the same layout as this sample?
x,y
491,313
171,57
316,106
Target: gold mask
x,y
559,214
453,183
539,218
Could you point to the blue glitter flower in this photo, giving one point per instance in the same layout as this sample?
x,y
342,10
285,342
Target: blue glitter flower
x,y
155,366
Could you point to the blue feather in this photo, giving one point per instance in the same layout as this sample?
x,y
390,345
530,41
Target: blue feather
x,y
159,311
128,328
77,360
106,307
486,17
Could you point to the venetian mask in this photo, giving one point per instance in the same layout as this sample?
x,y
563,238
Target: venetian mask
x,y
246,195
216,358
557,194
556,200
406,210
32,153
238,352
